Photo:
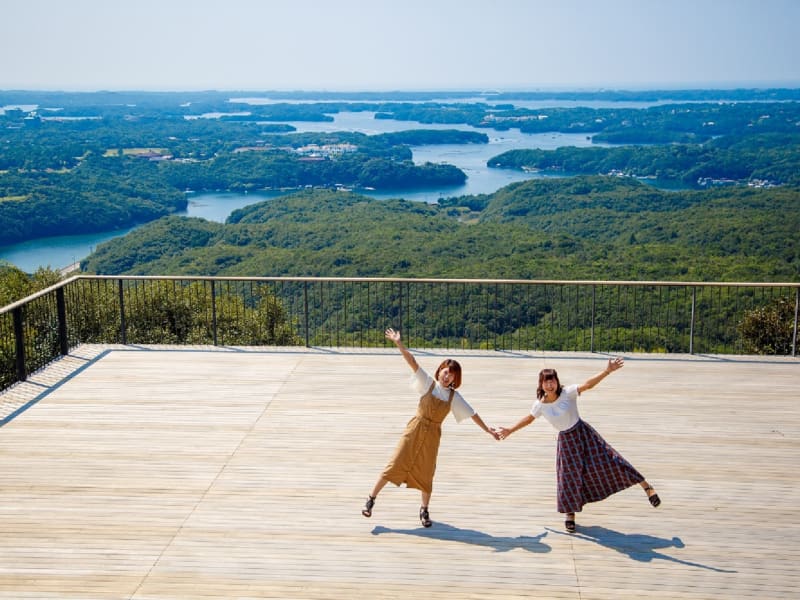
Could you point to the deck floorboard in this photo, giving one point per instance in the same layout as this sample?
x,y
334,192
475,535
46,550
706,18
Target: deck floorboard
x,y
165,473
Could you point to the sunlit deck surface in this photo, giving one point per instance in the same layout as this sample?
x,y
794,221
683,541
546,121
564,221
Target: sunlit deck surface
x,y
159,472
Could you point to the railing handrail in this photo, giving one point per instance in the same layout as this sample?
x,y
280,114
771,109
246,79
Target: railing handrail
x,y
452,280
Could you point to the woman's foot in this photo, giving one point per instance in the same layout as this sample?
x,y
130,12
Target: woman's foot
x,y
424,517
367,512
652,496
570,522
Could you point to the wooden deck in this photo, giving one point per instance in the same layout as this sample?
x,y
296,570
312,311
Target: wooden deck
x,y
162,473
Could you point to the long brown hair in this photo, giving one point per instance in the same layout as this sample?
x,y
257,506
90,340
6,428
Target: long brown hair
x,y
547,374
455,369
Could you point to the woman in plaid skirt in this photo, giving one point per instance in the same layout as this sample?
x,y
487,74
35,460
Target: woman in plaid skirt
x,y
588,468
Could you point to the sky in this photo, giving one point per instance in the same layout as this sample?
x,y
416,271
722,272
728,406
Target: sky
x,y
382,45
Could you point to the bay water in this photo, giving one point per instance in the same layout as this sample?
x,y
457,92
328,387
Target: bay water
x,y
60,252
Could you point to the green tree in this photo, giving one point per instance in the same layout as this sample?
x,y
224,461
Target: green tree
x,y
769,329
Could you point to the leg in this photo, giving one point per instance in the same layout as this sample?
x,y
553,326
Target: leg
x,y
367,511
426,498
379,486
424,516
651,493
569,523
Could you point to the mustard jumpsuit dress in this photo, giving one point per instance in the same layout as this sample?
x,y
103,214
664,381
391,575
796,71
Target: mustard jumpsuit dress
x,y
414,459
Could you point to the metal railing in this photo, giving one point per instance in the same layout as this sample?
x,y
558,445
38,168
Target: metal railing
x,y
593,316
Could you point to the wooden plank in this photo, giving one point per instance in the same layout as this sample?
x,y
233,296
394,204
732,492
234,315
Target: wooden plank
x,y
152,472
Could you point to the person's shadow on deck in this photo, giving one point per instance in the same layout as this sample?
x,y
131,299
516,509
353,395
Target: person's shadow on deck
x,y
443,531
637,546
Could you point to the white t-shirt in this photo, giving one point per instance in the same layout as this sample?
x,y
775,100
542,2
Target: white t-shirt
x,y
563,413
421,381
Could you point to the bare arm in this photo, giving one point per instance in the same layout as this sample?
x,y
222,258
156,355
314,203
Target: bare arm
x,y
393,335
504,432
476,418
613,365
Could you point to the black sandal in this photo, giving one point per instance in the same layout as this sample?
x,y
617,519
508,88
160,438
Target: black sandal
x,y
424,517
367,512
570,522
655,501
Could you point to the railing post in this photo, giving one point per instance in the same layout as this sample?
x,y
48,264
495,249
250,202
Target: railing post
x,y
305,310
594,307
123,326
61,311
400,311
796,312
19,341
213,312
691,324
490,320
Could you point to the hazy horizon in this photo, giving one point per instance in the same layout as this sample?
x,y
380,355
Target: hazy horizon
x,y
382,46
722,86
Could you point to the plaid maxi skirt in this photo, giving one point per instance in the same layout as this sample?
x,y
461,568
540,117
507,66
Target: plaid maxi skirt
x,y
589,469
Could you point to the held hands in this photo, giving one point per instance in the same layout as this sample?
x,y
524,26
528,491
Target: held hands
x,y
501,433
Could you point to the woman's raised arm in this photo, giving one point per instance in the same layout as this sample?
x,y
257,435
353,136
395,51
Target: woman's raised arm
x,y
613,365
393,335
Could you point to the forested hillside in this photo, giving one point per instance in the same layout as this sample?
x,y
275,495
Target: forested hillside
x,y
772,159
571,228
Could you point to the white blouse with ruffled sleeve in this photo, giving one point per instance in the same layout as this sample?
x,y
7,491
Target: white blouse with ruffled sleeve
x,y
421,381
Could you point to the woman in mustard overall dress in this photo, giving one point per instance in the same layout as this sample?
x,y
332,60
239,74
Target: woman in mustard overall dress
x,y
414,459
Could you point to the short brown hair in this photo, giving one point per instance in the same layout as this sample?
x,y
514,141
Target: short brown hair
x,y
455,369
547,374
